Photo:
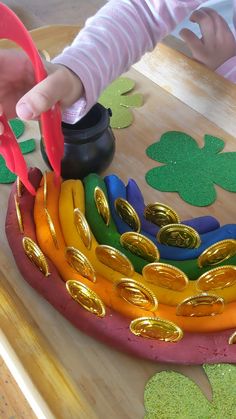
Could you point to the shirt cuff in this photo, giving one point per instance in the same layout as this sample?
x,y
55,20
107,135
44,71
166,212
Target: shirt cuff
x,y
82,106
75,112
228,69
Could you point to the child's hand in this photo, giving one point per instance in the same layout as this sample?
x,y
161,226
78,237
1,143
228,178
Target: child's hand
x,y
217,44
18,93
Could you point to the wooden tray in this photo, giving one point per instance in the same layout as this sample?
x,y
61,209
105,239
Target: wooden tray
x,y
66,374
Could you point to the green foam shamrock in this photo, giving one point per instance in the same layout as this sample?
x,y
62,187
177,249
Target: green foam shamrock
x,y
189,170
115,98
170,395
18,127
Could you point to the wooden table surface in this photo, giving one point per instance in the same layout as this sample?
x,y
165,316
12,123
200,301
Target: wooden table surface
x,y
64,373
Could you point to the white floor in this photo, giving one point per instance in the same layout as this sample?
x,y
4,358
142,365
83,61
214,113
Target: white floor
x,y
223,7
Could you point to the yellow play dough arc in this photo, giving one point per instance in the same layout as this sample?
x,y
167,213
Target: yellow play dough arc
x,y
103,288
72,193
70,232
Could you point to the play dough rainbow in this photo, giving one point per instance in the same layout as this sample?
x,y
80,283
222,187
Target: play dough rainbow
x,y
68,250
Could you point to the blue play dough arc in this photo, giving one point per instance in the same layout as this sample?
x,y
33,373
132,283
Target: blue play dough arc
x,y
202,224
116,189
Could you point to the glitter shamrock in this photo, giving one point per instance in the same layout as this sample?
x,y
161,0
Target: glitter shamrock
x,y
190,170
18,127
171,395
115,97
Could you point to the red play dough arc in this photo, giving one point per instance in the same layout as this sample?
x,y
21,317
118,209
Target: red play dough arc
x,y
113,329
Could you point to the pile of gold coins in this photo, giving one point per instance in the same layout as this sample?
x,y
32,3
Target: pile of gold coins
x,y
157,278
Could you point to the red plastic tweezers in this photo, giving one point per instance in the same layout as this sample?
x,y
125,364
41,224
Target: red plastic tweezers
x,y
13,29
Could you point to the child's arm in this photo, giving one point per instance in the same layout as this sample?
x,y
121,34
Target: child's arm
x,y
115,38
217,47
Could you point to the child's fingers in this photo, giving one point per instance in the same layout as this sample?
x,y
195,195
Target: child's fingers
x,y
217,44
42,97
219,21
192,41
206,23
224,37
62,85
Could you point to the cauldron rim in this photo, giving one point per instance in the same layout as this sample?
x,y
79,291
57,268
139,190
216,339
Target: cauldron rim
x,y
101,117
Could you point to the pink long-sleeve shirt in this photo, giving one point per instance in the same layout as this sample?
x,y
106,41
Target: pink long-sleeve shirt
x,y
117,37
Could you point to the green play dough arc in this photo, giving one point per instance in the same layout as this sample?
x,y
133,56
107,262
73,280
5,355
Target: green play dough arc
x,y
109,235
105,234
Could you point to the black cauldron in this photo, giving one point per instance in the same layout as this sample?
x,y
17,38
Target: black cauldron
x,y
89,145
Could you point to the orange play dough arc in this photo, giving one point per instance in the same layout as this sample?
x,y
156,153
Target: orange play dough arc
x,y
104,289
224,321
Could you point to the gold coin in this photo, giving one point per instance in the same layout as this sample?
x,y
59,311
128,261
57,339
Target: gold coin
x,y
217,253
80,263
102,205
51,228
113,258
161,214
45,190
179,235
135,293
18,214
217,278
232,339
165,276
127,213
200,305
140,245
19,187
87,298
36,255
156,328
82,227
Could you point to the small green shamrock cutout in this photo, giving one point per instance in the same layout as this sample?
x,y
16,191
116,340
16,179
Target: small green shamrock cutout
x,y
170,395
18,127
115,98
189,170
